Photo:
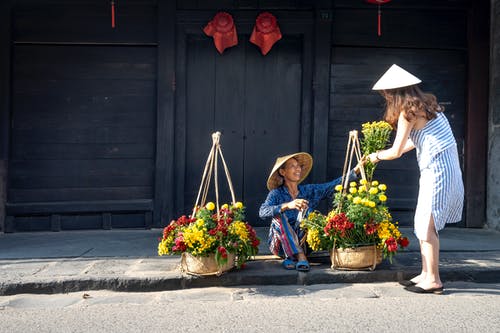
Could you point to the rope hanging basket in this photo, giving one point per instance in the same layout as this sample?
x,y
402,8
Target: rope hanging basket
x,y
207,265
359,256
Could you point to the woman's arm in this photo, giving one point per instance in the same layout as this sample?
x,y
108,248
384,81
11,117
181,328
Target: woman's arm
x,y
271,207
401,145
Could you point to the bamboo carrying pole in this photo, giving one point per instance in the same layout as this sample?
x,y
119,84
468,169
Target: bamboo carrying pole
x,y
211,168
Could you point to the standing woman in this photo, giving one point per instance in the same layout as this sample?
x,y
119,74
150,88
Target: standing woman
x,y
421,124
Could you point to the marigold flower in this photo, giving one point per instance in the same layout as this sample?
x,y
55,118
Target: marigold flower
x,y
338,188
382,187
238,205
210,206
382,197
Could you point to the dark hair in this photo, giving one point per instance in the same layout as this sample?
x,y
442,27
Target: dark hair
x,y
410,100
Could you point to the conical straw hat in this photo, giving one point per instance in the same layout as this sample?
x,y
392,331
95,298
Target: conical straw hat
x,y
275,180
396,77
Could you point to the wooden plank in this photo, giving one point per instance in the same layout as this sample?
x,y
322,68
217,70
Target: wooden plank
x,y
73,194
81,221
82,151
79,207
321,91
5,61
106,221
356,27
165,195
85,23
272,115
55,222
477,115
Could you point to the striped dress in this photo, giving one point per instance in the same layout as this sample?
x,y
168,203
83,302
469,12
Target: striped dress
x,y
441,189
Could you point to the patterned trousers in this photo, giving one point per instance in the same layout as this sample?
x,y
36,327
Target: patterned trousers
x,y
284,238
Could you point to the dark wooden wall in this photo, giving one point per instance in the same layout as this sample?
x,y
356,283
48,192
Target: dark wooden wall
x,y
436,53
83,115
107,127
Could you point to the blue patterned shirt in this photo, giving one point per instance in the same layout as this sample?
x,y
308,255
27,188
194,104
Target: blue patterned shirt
x,y
313,193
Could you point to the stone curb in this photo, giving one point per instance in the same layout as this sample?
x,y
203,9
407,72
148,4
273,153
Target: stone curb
x,y
262,272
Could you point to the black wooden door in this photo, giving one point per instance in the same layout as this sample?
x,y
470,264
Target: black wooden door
x,y
255,101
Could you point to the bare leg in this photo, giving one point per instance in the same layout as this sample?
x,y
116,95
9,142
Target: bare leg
x,y
430,259
423,273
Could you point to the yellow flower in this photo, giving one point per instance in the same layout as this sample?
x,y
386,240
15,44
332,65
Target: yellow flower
x,y
313,239
356,200
352,184
338,188
373,190
238,205
371,204
210,206
349,197
374,183
353,190
382,187
382,197
363,181
225,206
239,228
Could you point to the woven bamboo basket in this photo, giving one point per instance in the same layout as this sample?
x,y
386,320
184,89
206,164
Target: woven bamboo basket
x,y
356,258
205,265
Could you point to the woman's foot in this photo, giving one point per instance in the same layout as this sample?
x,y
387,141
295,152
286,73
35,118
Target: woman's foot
x,y
289,263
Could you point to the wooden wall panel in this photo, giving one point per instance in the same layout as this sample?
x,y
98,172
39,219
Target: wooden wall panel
x,y
77,22
83,127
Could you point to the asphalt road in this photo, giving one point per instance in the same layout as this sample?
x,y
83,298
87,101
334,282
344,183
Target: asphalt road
x,y
368,307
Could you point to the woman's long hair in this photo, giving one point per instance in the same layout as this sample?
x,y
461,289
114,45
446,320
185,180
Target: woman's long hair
x,y
410,100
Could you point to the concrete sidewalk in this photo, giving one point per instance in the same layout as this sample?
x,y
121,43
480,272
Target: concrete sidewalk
x,y
126,260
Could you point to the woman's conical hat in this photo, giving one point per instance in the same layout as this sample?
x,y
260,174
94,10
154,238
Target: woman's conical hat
x,y
396,77
275,180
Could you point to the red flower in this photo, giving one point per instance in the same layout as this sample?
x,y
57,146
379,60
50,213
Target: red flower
x,y
370,228
339,223
392,245
404,241
223,252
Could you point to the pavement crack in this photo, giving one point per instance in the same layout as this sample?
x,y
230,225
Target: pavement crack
x,y
84,253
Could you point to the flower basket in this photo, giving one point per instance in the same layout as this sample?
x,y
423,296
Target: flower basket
x,y
356,258
214,239
358,232
205,265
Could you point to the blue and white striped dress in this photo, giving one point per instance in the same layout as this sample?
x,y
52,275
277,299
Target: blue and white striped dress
x,y
441,189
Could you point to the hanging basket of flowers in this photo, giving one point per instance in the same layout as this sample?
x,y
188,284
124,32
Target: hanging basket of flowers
x,y
213,239
358,232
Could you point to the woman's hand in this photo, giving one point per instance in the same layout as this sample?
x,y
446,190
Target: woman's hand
x,y
373,158
299,204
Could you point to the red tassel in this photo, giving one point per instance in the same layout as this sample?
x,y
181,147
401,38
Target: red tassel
x,y
379,21
112,14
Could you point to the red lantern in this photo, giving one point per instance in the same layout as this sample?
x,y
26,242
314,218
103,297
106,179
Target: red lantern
x,y
222,30
266,32
378,2
112,14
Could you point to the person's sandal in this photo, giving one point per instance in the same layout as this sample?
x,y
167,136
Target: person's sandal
x,y
288,263
302,266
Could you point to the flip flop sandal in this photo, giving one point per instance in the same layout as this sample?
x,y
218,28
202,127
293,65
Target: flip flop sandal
x,y
288,263
302,266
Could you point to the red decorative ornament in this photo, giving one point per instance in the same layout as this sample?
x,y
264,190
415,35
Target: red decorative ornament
x,y
222,30
112,14
379,2
266,32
